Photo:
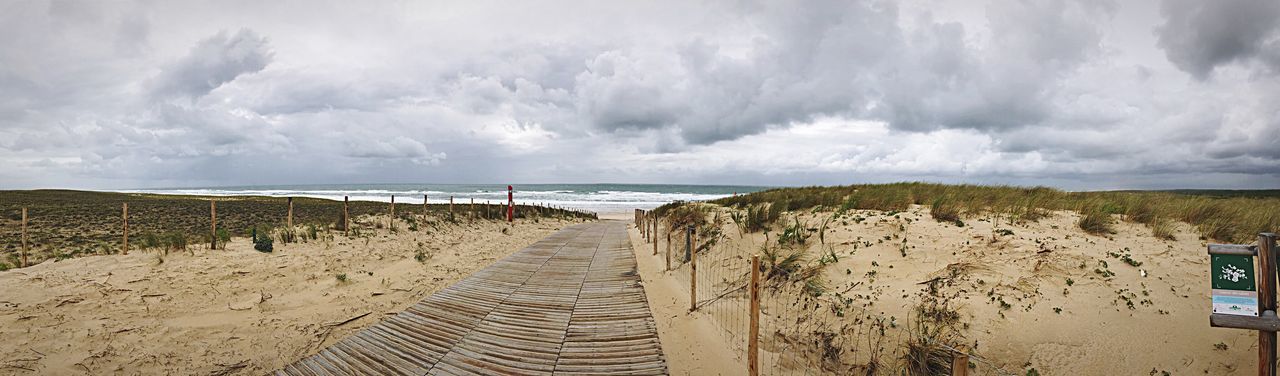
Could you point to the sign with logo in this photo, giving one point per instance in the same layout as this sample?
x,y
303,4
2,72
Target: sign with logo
x,y
1235,289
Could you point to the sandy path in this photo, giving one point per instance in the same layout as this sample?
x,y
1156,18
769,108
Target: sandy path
x,y
692,342
234,310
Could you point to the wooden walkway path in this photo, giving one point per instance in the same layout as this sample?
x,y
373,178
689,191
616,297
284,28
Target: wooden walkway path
x,y
569,304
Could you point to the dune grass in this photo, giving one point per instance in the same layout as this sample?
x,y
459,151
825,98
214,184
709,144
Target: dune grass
x,y
1233,217
66,223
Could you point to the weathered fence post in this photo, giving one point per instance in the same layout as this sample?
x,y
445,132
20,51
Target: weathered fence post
x,y
424,208
213,224
471,213
1267,302
753,344
655,233
959,362
24,237
393,213
125,218
693,269
346,216
668,250
450,207
289,220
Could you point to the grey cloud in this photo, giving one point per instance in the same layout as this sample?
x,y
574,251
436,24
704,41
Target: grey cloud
x,y
1198,36
213,62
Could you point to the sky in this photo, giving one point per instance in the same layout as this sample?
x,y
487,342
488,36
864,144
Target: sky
x,y
1079,95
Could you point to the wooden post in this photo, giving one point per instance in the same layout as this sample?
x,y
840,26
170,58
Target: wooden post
x,y
668,251
289,220
213,224
393,212
959,363
753,345
450,207
693,270
471,213
1267,302
24,237
125,218
346,216
655,234
424,208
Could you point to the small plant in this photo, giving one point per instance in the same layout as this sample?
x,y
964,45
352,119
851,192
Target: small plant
x,y
1057,310
342,277
261,243
1070,281
1220,346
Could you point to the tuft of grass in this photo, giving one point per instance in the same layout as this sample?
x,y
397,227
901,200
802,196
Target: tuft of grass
x,y
342,277
1163,229
1096,221
945,210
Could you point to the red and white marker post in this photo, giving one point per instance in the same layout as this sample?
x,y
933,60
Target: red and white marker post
x,y
511,205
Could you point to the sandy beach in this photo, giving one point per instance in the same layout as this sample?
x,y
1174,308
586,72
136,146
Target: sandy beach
x,y
233,311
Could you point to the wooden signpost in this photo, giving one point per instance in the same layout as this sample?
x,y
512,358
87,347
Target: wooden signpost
x,y
1237,283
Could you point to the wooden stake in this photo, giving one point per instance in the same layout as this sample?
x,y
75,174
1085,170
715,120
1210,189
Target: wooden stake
x,y
346,217
655,234
450,207
693,270
125,218
289,221
393,212
959,363
1267,302
471,213
24,237
668,251
753,345
213,224
424,208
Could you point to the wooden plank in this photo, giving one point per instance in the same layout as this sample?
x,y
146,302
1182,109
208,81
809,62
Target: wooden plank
x,y
1233,249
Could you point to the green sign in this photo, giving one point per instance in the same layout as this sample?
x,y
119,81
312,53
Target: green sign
x,y
1234,286
1232,272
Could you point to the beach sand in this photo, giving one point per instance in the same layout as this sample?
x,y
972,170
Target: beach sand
x,y
233,311
1081,327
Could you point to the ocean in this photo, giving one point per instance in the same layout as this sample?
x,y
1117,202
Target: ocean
x,y
598,198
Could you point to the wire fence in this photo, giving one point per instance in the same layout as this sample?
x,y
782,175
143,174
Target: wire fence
x,y
802,329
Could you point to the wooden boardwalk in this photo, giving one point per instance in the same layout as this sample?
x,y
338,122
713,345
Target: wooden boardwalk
x,y
569,304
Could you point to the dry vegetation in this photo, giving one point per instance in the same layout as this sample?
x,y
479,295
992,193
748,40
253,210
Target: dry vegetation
x,y
1229,216
64,224
991,260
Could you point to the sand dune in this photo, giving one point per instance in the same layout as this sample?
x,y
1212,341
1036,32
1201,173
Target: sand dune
x,y
1042,295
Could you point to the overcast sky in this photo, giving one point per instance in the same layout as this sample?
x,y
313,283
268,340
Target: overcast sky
x,y
1073,94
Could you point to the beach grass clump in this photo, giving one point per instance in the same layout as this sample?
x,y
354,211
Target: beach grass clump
x,y
1096,220
945,210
